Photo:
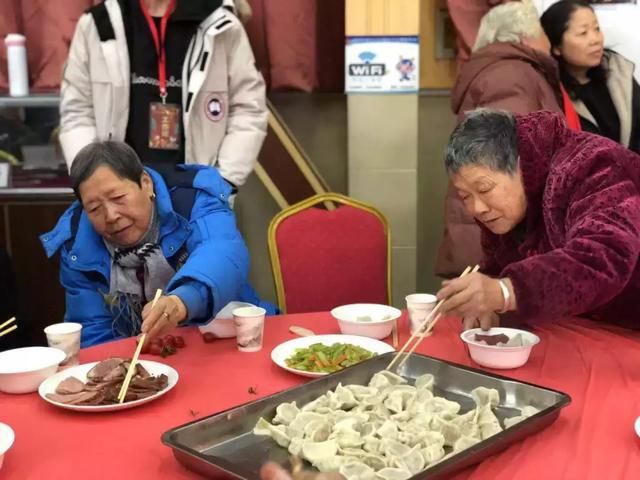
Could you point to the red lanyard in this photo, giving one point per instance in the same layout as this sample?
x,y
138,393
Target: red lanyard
x,y
159,42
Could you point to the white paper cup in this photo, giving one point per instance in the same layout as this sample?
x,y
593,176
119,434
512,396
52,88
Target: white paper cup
x,y
419,306
249,323
66,337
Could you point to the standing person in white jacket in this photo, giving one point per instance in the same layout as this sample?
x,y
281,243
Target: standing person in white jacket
x,y
175,79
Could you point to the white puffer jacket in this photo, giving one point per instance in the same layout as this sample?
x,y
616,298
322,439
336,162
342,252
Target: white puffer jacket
x,y
96,83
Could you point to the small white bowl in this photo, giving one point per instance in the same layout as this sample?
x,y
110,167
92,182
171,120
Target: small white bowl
x,y
222,326
22,370
500,357
6,440
366,319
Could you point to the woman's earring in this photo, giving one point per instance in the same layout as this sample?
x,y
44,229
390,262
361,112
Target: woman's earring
x,y
153,196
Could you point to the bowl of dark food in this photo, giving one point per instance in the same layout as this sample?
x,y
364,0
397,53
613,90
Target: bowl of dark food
x,y
499,347
94,387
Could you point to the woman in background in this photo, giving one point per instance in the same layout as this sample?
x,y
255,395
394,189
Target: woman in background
x,y
600,82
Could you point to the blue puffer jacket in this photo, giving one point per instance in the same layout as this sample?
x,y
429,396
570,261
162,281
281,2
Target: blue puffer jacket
x,y
213,274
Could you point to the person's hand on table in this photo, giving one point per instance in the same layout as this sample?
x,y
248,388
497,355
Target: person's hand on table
x,y
168,312
273,471
475,296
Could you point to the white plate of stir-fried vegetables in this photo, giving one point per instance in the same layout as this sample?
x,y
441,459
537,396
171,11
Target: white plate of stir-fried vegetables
x,y
324,354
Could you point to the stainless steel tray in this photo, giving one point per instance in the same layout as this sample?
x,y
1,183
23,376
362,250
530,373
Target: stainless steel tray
x,y
223,445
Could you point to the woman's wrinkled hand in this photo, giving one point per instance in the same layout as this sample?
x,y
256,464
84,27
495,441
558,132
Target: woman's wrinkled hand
x,y
168,312
485,322
475,295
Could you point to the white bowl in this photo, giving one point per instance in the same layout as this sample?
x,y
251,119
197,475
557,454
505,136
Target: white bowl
x,y
222,326
501,357
6,440
366,319
22,370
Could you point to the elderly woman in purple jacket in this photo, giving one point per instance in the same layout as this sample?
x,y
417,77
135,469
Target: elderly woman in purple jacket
x,y
560,218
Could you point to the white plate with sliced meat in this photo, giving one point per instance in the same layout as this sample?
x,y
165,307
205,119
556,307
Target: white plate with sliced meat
x,y
94,387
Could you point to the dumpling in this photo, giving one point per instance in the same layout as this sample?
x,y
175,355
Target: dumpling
x,y
355,470
285,413
297,426
316,451
393,474
413,461
330,464
277,432
450,431
483,396
431,438
372,445
425,382
342,398
488,422
377,462
388,430
445,408
321,401
317,430
347,439
432,454
361,392
464,442
385,379
394,449
295,447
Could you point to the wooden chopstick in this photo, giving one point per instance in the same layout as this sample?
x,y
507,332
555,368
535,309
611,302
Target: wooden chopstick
x,y
10,329
11,320
395,333
417,334
430,327
134,360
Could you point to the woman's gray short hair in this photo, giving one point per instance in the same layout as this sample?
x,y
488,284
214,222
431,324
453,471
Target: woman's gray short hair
x,y
118,156
510,22
485,137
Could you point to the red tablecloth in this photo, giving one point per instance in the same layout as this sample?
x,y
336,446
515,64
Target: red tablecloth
x,y
592,439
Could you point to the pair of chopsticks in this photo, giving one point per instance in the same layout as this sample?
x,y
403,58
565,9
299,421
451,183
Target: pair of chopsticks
x,y
420,336
134,360
10,329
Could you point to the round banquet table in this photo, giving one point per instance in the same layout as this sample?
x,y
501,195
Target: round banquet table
x,y
592,439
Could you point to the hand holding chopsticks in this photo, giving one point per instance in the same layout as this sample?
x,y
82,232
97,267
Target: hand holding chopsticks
x,y
418,335
134,360
10,329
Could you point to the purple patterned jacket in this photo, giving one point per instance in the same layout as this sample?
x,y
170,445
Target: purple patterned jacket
x,y
580,252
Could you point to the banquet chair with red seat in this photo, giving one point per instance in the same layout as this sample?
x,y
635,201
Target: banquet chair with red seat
x,y
330,250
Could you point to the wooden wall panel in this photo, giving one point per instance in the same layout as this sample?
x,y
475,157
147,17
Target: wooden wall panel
x,y
382,17
434,73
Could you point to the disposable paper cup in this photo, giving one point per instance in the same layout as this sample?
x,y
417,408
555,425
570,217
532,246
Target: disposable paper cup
x,y
249,323
419,305
66,337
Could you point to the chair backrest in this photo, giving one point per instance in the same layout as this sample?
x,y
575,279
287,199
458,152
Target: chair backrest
x,y
322,258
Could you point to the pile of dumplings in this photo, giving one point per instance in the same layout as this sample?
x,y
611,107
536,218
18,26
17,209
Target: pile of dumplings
x,y
388,430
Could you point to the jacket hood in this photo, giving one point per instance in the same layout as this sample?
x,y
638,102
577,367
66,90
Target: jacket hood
x,y
484,59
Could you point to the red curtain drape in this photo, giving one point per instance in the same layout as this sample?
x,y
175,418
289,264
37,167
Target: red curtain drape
x,y
299,44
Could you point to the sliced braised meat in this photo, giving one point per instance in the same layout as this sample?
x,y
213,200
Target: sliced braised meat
x,y
104,384
98,372
69,386
72,399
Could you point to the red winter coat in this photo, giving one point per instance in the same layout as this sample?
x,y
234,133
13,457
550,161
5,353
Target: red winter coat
x,y
580,253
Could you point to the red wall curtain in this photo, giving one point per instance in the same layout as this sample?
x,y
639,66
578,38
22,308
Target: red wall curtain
x,y
299,44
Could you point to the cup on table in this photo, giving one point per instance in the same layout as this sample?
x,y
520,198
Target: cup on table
x,y
66,337
249,323
419,305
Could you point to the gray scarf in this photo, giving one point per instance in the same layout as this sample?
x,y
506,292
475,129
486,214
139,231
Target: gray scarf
x,y
127,294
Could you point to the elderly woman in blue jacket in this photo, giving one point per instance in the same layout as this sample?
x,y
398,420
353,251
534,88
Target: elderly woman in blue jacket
x,y
133,232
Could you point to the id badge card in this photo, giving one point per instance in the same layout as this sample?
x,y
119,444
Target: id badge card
x,y
164,126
